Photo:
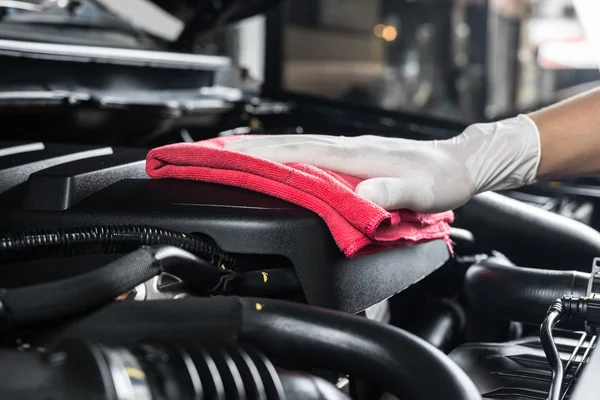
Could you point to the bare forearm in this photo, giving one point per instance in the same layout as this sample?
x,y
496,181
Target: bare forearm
x,y
433,176
570,137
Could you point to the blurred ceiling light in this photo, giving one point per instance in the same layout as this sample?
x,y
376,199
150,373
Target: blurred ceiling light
x,y
378,30
389,33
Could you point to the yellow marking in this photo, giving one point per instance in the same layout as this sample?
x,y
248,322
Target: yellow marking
x,y
265,277
223,266
135,373
254,123
184,235
258,306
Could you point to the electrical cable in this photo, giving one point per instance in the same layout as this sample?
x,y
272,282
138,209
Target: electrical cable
x,y
104,239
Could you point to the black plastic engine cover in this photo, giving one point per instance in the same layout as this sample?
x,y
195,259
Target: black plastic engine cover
x,y
519,370
51,186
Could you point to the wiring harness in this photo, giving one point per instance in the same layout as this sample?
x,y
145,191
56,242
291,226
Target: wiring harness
x,y
586,309
105,239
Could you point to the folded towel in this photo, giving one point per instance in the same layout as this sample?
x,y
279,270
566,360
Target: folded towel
x,y
358,226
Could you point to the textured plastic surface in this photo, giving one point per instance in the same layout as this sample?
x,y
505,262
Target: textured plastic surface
x,y
588,386
519,369
102,189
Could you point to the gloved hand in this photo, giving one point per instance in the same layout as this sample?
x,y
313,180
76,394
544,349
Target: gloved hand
x,y
423,176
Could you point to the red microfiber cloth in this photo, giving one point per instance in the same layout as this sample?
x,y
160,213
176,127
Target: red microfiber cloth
x,y
358,226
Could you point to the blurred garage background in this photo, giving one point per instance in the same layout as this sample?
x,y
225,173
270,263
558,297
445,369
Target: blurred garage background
x,y
470,60
467,59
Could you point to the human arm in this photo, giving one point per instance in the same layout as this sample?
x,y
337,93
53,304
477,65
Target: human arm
x,y
431,176
570,136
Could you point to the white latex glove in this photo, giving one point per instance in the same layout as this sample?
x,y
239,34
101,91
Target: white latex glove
x,y
423,176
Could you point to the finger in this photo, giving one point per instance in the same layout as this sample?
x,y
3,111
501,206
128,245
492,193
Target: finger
x,y
244,144
398,193
336,158
301,152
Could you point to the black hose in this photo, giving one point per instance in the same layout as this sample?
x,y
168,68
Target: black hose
x,y
510,226
440,323
375,352
104,239
311,337
156,370
519,294
87,291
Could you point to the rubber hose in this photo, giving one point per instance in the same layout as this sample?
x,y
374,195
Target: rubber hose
x,y
55,299
440,324
508,225
374,352
519,294
389,357
105,239
84,292
209,370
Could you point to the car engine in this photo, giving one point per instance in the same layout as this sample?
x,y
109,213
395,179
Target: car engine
x,y
244,276
117,286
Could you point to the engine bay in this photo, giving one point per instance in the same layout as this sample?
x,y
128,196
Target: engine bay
x,y
77,220
117,286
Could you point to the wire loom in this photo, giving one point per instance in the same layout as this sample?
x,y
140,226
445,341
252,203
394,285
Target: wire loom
x,y
104,239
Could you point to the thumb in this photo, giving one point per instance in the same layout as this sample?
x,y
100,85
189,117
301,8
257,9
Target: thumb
x,y
396,193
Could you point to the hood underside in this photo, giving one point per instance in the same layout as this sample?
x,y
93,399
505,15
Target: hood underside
x,y
134,23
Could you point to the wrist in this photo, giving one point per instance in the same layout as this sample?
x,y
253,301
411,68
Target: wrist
x,y
534,146
501,155
555,159
570,137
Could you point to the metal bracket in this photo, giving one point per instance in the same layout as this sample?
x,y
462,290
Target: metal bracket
x,y
594,281
163,286
593,289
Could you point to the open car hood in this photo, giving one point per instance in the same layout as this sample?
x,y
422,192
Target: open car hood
x,y
208,13
196,15
121,24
